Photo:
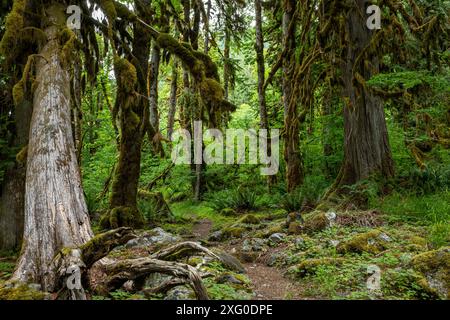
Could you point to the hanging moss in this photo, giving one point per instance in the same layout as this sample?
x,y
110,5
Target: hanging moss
x,y
211,69
109,9
70,44
185,54
126,74
20,88
22,155
124,13
14,25
211,90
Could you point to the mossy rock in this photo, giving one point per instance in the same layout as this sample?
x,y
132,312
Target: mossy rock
x,y
228,212
309,266
316,222
249,219
372,242
229,261
11,291
295,228
233,232
435,266
122,217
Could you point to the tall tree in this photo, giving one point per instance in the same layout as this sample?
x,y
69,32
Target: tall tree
x,y
56,214
292,153
259,48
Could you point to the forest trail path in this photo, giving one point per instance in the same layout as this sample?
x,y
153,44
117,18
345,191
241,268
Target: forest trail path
x,y
269,283
202,229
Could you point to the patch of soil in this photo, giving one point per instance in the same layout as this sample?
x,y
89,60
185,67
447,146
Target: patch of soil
x,y
269,283
202,228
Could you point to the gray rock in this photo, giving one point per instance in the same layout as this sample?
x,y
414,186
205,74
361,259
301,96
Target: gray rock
x,y
216,236
226,277
159,236
255,244
180,293
277,237
383,236
140,242
229,261
331,216
155,279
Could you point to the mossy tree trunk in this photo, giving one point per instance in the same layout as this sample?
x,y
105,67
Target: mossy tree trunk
x,y
56,214
172,101
153,84
123,202
366,144
259,48
292,153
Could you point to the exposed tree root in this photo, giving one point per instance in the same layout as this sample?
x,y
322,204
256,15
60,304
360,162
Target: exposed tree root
x,y
131,269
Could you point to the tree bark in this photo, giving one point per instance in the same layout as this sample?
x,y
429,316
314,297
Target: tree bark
x,y
366,147
56,214
259,48
123,202
153,83
292,153
172,101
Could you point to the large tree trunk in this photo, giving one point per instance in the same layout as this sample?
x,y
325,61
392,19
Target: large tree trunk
x,y
172,101
366,146
153,84
292,154
259,48
56,214
123,202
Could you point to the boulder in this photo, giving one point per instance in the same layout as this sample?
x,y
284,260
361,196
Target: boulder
x,y
435,266
374,241
277,237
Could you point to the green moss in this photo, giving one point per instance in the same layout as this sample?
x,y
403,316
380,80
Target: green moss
x,y
21,156
432,262
20,292
185,54
14,24
233,232
108,8
316,222
126,74
295,228
370,242
18,92
124,13
249,219
309,266
211,69
211,90
20,88
122,217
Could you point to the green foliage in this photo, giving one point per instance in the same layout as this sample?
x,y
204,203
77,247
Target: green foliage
x,y
241,200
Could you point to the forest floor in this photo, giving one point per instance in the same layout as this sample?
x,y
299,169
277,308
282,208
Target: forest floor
x,y
267,283
346,254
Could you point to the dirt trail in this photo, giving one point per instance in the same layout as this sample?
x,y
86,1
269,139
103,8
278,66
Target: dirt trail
x,y
267,283
202,228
